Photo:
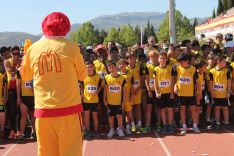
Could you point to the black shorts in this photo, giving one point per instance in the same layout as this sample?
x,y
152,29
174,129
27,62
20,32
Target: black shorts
x,y
90,107
221,102
114,110
187,100
2,108
151,100
28,101
165,101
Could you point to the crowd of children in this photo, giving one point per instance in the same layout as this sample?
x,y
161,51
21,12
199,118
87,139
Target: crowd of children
x,y
162,87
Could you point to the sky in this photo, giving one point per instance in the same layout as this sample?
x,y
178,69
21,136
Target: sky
x,y
27,15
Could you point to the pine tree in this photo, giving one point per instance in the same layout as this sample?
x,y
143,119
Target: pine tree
x,y
213,14
225,5
220,7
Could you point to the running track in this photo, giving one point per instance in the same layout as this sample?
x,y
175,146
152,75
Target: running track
x,y
219,143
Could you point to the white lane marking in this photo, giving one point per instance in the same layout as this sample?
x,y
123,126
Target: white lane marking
x,y
230,132
9,150
84,146
166,150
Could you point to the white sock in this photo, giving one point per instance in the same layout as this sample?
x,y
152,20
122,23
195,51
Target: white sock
x,y
127,126
184,126
139,124
133,124
194,125
218,123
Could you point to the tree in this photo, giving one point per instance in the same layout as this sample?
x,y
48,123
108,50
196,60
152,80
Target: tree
x,y
220,7
101,36
225,5
85,35
149,31
127,36
137,31
112,35
184,30
213,14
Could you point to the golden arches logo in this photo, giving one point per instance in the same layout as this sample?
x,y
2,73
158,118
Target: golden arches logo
x,y
49,61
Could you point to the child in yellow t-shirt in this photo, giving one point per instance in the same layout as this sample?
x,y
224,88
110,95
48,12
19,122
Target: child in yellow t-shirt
x,y
91,88
220,89
114,98
129,92
186,85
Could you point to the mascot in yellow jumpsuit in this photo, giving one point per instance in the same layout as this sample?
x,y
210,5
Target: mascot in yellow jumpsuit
x,y
55,65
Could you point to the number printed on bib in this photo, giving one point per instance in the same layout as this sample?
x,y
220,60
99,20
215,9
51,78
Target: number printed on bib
x,y
102,74
115,88
91,88
219,87
164,83
28,85
185,80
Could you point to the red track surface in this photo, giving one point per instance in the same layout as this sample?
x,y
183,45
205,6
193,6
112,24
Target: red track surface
x,y
212,143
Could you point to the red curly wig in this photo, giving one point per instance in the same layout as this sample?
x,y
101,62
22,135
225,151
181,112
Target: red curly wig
x,y
56,24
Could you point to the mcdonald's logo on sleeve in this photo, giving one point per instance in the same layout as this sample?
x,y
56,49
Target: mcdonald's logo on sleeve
x,y
49,62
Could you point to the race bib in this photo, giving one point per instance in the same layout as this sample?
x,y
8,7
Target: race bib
x,y
136,83
218,87
28,85
115,88
91,88
102,74
164,83
151,82
185,80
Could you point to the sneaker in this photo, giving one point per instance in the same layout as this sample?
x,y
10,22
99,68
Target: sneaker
x,y
227,126
33,136
128,131
87,135
20,138
171,129
217,126
120,132
95,134
164,129
196,130
133,129
209,125
139,130
159,128
12,135
1,135
183,131
110,133
146,130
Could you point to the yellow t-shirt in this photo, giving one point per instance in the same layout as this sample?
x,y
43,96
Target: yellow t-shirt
x,y
220,81
11,80
129,82
100,68
185,80
151,68
115,87
136,72
55,65
173,62
163,77
2,84
91,85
